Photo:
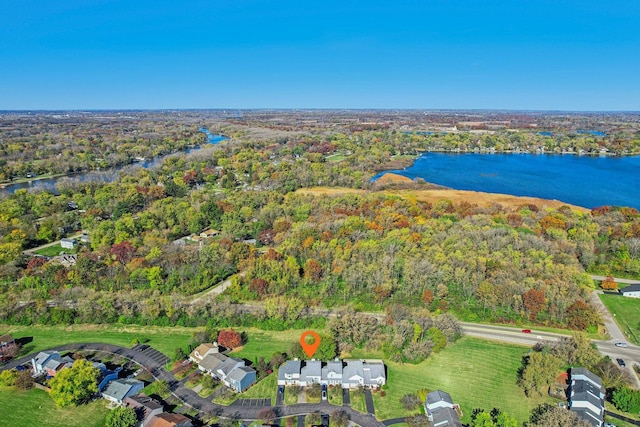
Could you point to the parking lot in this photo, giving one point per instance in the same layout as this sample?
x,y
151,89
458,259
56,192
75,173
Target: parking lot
x,y
252,402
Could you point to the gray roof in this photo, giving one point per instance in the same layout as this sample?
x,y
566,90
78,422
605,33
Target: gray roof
x,y
631,288
290,367
352,368
587,373
43,356
588,416
239,373
229,365
55,363
372,372
312,369
211,362
445,417
439,396
334,366
119,389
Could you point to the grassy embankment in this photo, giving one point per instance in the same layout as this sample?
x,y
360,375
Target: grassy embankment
x,y
626,312
35,408
165,340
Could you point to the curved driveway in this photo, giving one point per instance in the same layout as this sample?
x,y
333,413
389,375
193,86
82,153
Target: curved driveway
x,y
192,399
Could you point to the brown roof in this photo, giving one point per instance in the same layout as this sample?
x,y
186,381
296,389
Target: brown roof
x,y
200,351
6,338
167,419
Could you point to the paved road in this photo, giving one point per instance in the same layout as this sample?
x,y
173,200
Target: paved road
x,y
218,289
616,279
516,336
154,361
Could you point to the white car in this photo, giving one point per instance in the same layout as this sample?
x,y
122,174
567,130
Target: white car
x,y
622,344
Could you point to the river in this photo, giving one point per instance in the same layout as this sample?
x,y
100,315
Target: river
x,y
107,175
587,181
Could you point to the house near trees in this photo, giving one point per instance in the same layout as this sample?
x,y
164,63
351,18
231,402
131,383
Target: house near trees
x,y
348,374
586,396
67,243
118,390
631,291
8,346
150,413
441,411
49,363
230,371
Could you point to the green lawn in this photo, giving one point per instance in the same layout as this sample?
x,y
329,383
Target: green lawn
x,y
265,343
334,395
357,401
265,388
55,250
334,158
164,339
626,312
35,408
477,374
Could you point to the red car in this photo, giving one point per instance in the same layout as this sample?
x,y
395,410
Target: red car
x,y
526,331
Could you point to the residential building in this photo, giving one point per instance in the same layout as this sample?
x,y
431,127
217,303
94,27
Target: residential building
x,y
311,373
332,373
67,243
240,378
202,350
209,233
289,372
631,291
348,374
8,346
586,396
38,363
441,411
53,366
231,371
167,419
145,407
117,390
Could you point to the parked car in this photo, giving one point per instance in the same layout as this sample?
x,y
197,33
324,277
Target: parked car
x,y
622,344
621,363
281,389
526,331
609,425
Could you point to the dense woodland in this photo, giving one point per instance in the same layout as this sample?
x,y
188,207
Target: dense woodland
x,y
370,251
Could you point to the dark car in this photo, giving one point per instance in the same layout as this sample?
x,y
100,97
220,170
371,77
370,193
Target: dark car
x,y
281,389
526,331
621,363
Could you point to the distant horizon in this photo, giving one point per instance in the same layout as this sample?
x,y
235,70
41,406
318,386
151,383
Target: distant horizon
x,y
390,109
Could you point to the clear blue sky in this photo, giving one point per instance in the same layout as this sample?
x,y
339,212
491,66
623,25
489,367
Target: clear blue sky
x,y
486,54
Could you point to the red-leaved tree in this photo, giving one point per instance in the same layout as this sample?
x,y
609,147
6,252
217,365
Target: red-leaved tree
x,y
229,338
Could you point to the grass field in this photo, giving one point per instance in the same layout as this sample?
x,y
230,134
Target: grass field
x,y
35,408
626,312
265,343
334,158
54,250
477,374
164,339
265,388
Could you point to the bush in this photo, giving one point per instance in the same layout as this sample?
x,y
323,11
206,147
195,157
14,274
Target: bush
x,y
626,399
8,378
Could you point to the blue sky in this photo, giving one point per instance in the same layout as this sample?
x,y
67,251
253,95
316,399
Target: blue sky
x,y
432,54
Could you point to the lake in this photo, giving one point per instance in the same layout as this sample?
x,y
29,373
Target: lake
x,y
107,175
579,180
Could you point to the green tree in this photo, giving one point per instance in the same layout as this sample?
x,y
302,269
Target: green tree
x,y
626,399
74,385
121,416
8,378
539,372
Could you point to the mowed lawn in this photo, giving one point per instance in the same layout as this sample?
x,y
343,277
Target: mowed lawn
x,y
477,374
265,343
626,312
35,408
164,339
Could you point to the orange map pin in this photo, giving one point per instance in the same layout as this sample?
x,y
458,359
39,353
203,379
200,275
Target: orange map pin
x,y
310,349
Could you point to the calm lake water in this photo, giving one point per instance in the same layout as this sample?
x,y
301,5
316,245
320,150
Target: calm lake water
x,y
107,175
580,180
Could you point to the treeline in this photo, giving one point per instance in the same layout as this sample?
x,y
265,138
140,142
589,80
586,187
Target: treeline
x,y
372,251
